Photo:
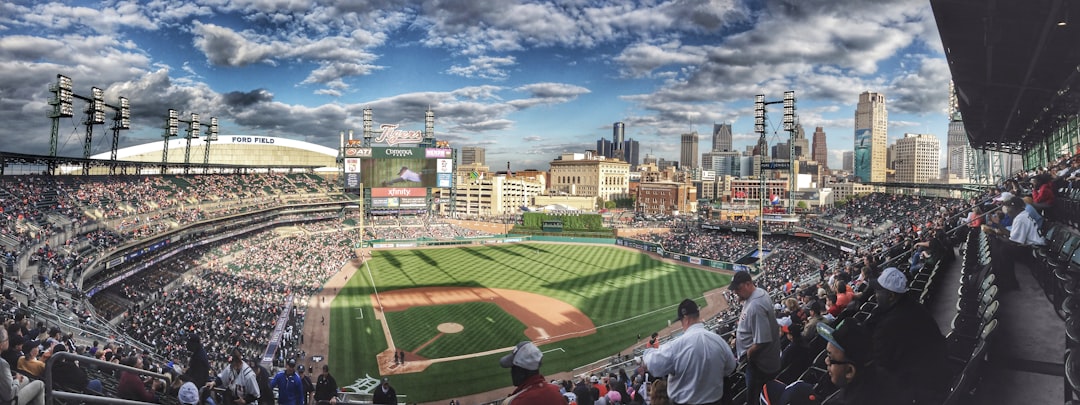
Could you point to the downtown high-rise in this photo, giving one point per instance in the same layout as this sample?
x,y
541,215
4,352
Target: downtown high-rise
x,y
688,150
721,138
871,137
821,150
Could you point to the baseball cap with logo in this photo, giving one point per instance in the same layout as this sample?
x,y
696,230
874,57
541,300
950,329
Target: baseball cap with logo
x,y
525,355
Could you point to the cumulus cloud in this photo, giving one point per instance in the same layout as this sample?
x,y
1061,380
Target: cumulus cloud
x,y
484,67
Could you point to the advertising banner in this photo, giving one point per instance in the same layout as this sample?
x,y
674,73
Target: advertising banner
x,y
357,152
444,180
352,165
445,165
862,153
438,153
352,180
399,192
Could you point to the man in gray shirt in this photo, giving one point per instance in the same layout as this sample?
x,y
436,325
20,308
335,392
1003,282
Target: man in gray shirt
x,y
757,337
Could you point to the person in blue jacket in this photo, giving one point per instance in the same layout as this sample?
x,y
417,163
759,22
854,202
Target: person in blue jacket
x,y
290,388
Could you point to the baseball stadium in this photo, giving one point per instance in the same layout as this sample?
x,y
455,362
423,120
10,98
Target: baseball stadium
x,y
183,272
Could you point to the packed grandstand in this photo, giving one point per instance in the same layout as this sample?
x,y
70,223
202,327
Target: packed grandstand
x,y
186,271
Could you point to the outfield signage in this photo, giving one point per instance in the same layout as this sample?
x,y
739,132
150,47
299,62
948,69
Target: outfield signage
x,y
437,153
391,135
399,192
352,180
357,152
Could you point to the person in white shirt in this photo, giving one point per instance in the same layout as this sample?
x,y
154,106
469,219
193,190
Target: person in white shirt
x,y
695,363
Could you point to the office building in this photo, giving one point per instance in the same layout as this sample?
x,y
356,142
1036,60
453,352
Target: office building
x,y
583,174
820,153
688,152
871,137
721,138
917,158
472,154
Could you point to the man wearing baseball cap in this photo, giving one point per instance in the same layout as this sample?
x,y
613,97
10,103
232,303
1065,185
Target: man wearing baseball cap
x,y
530,386
907,341
851,368
757,335
696,362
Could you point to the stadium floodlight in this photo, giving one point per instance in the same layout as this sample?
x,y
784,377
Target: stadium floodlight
x,y
97,106
212,136
195,128
64,96
124,113
172,126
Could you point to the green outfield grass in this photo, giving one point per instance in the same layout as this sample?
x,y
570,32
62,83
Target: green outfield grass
x,y
487,327
625,293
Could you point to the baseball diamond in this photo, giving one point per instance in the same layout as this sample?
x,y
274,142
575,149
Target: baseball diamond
x,y
579,303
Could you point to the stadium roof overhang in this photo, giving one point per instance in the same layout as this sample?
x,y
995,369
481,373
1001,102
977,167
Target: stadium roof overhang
x,y
1016,70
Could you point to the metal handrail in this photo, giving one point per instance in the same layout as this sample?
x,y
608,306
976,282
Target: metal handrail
x,y
51,395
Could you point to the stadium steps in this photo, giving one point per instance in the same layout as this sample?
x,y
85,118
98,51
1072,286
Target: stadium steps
x,y
1025,361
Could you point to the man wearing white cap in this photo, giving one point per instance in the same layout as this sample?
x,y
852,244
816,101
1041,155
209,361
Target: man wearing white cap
x,y
531,387
906,338
188,394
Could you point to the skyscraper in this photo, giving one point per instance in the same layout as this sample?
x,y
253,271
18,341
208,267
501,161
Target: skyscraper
x,y
959,156
802,145
871,137
821,150
631,152
472,154
618,133
605,148
721,137
917,158
688,153
960,153
848,161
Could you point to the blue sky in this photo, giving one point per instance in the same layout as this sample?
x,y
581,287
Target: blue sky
x,y
526,80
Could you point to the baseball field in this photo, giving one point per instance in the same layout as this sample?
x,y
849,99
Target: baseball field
x,y
455,311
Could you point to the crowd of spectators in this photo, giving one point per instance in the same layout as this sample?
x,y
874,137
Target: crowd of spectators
x,y
716,245
414,228
233,296
34,208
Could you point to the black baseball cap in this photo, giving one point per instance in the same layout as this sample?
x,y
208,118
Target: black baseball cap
x,y
687,307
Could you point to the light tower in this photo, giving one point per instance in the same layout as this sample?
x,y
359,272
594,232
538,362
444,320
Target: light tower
x,y
194,128
212,136
172,128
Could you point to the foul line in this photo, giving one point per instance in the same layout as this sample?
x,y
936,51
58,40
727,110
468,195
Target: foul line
x,y
389,338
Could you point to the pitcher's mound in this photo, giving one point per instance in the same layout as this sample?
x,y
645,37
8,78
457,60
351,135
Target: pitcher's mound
x,y
450,327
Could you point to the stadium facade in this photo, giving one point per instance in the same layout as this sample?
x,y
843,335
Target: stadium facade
x,y
250,150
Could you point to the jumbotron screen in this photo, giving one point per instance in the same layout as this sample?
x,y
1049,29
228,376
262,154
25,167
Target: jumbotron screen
x,y
392,167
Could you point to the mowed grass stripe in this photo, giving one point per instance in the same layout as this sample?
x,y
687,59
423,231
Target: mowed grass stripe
x,y
610,285
486,327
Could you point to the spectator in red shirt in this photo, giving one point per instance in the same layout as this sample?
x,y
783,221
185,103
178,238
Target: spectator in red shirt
x,y
1042,193
530,386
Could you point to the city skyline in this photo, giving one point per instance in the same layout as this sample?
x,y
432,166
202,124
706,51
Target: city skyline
x,y
528,82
